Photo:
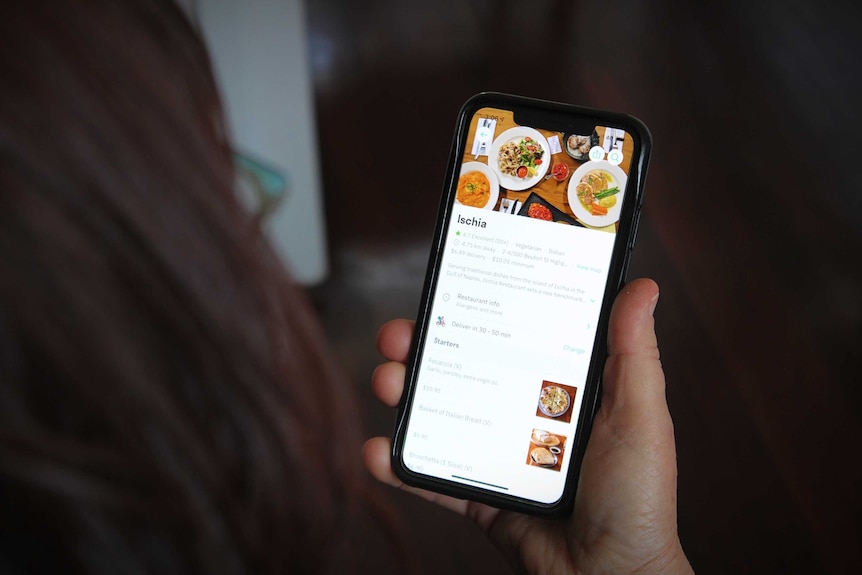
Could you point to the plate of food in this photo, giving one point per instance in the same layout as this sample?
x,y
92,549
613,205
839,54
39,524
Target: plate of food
x,y
595,193
543,457
554,401
538,208
520,157
543,438
578,146
477,186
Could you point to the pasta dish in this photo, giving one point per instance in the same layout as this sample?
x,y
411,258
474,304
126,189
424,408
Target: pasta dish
x,y
520,157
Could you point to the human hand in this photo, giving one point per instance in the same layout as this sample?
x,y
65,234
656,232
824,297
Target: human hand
x,y
625,518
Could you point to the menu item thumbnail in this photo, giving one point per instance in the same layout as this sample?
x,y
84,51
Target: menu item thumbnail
x,y
555,401
546,450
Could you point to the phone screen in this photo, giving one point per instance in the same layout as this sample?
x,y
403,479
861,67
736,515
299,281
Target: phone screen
x,y
500,373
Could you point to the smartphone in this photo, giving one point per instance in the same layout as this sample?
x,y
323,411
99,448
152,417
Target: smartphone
x,y
535,229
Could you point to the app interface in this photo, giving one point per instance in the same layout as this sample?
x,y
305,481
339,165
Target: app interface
x,y
514,314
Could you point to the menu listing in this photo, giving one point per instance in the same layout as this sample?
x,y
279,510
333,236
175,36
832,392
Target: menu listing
x,y
498,395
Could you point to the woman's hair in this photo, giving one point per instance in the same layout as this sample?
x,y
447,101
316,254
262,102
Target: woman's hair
x,y
166,404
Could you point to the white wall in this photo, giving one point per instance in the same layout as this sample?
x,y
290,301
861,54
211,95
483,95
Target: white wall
x,y
260,58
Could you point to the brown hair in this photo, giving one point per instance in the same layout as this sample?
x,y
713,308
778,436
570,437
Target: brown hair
x,y
164,393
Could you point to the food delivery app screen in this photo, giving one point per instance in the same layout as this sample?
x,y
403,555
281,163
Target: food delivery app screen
x,y
514,313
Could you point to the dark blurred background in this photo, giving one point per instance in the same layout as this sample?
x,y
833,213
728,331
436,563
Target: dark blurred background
x,y
752,226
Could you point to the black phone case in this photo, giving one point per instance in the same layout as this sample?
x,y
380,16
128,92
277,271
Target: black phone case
x,y
568,119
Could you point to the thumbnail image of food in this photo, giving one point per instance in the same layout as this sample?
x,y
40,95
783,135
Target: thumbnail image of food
x,y
474,189
555,401
546,450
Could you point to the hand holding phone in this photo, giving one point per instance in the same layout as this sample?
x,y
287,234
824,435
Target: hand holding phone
x,y
627,490
535,228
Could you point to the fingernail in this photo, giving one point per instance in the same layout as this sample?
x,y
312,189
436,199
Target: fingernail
x,y
653,302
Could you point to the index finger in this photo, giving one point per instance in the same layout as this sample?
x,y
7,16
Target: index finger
x,y
393,339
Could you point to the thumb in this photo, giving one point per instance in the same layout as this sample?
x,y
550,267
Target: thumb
x,y
633,430
626,505
633,378
632,435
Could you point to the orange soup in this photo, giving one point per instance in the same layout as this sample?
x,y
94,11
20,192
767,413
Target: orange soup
x,y
474,189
